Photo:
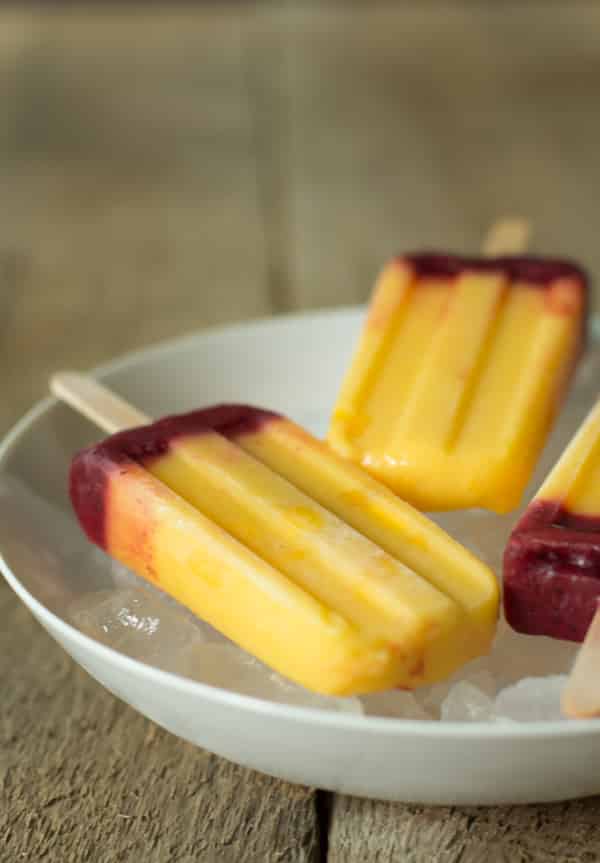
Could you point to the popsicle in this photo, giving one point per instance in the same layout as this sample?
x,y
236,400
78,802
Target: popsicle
x,y
552,560
457,376
295,554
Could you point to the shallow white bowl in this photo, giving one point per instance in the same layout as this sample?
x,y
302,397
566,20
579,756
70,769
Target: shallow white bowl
x,y
293,365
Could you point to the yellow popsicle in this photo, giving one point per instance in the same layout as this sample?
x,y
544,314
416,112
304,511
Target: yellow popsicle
x,y
295,554
457,376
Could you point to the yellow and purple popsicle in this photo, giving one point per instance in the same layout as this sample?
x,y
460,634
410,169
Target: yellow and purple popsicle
x,y
552,560
297,555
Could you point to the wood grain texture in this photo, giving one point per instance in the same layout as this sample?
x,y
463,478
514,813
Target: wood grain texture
x,y
416,125
377,832
163,170
85,778
131,212
130,202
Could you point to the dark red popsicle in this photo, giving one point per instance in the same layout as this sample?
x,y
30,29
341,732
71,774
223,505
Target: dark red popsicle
x,y
552,560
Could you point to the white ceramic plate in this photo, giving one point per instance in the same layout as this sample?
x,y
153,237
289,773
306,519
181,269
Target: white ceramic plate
x,y
293,365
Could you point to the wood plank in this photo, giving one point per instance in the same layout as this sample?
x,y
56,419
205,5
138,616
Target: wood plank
x,y
161,172
415,125
365,831
84,777
129,187
131,212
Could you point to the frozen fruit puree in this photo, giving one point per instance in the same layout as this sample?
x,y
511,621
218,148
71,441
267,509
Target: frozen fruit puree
x,y
458,374
552,560
297,555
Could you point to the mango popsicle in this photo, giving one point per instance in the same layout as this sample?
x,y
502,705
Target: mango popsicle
x,y
552,559
295,554
457,376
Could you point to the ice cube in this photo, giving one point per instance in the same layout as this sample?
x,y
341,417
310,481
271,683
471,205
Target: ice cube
x,y
476,673
465,702
431,698
230,667
138,624
125,579
531,699
396,703
138,619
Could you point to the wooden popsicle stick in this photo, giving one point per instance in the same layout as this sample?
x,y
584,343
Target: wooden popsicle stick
x,y
107,410
581,696
507,237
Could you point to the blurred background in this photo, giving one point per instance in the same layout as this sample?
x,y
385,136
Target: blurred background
x,y
164,168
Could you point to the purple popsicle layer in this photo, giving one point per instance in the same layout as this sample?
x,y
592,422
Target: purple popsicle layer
x,y
91,467
518,268
552,572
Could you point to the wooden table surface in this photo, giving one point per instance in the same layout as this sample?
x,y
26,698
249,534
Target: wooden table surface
x,y
163,170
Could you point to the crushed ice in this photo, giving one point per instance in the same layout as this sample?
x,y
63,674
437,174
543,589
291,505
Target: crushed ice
x,y
519,681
